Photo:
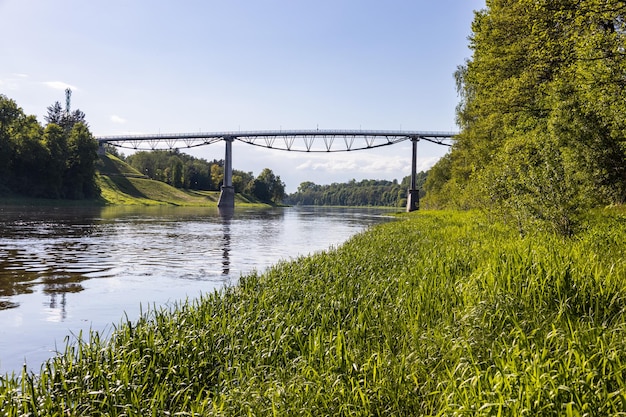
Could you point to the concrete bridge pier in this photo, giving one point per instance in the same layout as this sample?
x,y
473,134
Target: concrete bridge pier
x,y
413,194
227,196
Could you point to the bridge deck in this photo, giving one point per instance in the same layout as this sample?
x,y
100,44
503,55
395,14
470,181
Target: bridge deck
x,y
289,140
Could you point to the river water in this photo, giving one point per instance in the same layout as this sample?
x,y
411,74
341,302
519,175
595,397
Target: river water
x,y
67,270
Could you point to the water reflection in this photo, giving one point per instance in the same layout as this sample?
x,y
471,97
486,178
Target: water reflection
x,y
44,250
226,214
226,247
54,252
67,270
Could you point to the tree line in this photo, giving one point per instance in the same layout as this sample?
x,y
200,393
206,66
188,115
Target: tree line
x,y
59,160
543,132
53,161
353,193
185,171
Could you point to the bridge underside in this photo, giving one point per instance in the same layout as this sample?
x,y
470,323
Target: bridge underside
x,y
290,140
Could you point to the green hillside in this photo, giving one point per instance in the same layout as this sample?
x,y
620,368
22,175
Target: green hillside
x,y
122,184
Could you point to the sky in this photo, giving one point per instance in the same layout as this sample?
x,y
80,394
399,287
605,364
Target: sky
x,y
202,65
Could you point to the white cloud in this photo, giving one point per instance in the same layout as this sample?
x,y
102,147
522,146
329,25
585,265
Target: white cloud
x,y
117,119
11,83
363,164
60,85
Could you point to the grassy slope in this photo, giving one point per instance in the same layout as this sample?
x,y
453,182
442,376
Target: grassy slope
x,y
122,184
442,314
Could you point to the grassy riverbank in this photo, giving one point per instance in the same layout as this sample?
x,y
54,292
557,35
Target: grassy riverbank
x,y
121,184
437,314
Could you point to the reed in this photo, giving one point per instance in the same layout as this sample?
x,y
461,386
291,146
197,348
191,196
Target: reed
x,y
437,314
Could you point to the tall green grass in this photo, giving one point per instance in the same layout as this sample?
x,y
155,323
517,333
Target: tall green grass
x,y
437,314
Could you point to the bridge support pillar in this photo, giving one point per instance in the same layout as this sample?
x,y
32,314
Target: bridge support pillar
x,y
413,194
412,200
227,196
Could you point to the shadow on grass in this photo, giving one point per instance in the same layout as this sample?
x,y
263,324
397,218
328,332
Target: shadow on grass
x,y
123,184
109,168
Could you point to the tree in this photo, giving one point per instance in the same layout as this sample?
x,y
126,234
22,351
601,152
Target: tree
x,y
176,172
55,141
217,174
10,114
30,158
197,175
269,187
241,180
177,169
259,189
353,193
545,80
65,117
49,163
307,186
82,155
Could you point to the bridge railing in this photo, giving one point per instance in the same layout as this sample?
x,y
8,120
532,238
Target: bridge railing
x,y
289,140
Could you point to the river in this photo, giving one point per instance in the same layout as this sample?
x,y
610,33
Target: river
x,y
67,270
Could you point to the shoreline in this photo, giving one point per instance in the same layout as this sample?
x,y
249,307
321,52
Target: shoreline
x,y
391,322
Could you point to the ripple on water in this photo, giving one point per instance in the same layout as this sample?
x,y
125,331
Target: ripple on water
x,y
67,272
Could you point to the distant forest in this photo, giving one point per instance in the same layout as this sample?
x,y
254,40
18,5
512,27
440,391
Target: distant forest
x,y
353,193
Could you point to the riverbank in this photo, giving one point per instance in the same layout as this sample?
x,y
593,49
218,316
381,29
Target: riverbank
x,y
121,184
439,314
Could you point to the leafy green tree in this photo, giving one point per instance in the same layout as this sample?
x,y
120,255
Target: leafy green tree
x,y
144,162
241,180
55,140
546,80
30,158
307,186
196,175
259,189
267,187
176,172
79,178
175,168
10,113
51,162
217,174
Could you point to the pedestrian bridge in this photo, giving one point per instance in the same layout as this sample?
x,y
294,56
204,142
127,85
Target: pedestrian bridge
x,y
287,140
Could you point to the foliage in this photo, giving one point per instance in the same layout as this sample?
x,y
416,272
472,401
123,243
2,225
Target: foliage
x,y
64,117
51,162
353,193
185,171
546,78
481,323
82,155
267,187
177,169
120,183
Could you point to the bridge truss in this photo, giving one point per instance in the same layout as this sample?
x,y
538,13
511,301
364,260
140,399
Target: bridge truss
x,y
289,140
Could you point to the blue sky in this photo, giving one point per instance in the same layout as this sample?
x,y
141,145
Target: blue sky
x,y
163,66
